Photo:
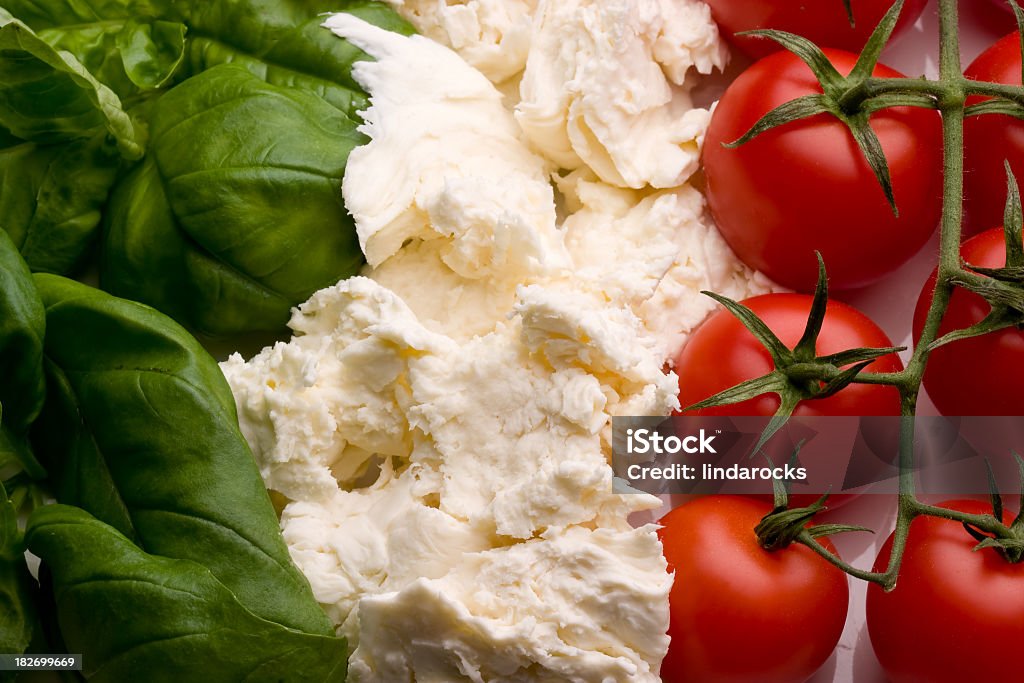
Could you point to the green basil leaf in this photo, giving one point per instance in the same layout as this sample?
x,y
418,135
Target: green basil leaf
x,y
22,383
131,55
8,140
51,197
140,429
128,611
236,215
151,51
95,46
48,96
50,14
284,44
128,45
17,607
22,329
143,239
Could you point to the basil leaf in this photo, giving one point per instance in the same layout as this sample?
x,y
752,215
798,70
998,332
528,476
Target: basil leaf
x,y
22,329
17,608
284,44
51,197
128,612
151,51
236,215
140,429
90,13
130,46
48,96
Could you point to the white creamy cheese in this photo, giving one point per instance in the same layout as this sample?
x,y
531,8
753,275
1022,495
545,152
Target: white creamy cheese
x,y
491,35
446,170
492,462
440,427
604,87
654,251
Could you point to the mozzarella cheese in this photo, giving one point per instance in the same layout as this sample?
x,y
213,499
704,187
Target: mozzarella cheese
x,y
446,171
490,460
493,36
606,83
440,425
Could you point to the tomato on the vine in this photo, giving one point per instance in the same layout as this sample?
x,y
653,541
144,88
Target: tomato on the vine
x,y
1002,4
982,375
956,615
806,185
741,614
991,139
722,353
824,22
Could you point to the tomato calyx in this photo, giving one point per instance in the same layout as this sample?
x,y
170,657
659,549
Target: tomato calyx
x,y
848,4
845,97
781,528
1002,288
1012,548
784,526
1007,540
799,374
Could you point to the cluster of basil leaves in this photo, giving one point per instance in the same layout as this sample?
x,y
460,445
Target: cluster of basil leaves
x,y
197,145
197,148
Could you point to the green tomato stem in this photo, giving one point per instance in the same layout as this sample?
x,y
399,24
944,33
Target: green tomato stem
x,y
950,93
951,103
873,87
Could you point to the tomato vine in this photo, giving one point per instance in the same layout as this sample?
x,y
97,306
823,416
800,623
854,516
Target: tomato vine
x,y
852,99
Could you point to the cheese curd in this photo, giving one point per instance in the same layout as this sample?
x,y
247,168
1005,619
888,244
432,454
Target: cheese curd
x,y
493,36
604,82
440,426
490,460
605,87
446,171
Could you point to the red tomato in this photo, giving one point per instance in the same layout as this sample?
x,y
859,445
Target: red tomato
x,y
995,17
991,139
983,375
805,186
953,612
824,22
722,353
741,614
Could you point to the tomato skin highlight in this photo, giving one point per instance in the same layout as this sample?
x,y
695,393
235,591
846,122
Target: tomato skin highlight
x,y
824,23
991,139
740,614
722,353
983,375
956,615
806,186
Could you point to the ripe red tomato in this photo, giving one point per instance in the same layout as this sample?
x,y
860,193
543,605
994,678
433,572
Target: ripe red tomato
x,y
991,139
824,22
983,375
953,611
994,18
741,614
1002,4
722,353
806,186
